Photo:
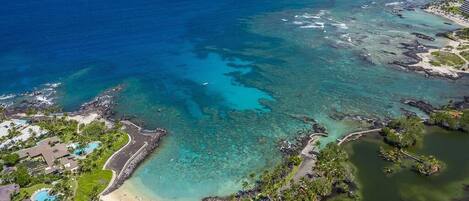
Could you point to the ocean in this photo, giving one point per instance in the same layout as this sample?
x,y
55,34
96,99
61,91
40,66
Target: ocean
x,y
224,77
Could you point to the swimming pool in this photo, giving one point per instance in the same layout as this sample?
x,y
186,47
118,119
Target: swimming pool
x,y
86,150
43,195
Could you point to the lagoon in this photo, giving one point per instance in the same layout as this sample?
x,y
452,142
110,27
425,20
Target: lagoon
x,y
447,146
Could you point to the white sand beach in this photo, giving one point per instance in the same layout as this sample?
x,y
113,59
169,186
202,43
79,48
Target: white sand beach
x,y
125,193
455,18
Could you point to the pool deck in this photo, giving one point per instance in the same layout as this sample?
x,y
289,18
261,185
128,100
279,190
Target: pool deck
x,y
125,161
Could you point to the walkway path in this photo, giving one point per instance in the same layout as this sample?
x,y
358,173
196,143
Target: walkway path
x,y
308,156
356,135
123,163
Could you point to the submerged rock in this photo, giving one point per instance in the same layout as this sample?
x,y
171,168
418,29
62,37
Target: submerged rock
x,y
421,105
461,105
423,36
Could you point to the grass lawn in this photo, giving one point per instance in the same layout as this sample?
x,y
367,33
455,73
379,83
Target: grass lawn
x,y
94,182
447,58
463,47
25,193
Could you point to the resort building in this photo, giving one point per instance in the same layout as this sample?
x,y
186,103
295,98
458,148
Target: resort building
x,y
25,130
54,154
465,7
7,191
5,126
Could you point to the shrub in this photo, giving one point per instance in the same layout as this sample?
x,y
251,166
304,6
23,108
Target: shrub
x,y
403,132
11,159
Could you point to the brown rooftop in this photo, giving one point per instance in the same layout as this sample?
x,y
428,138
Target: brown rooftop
x,y
8,190
48,151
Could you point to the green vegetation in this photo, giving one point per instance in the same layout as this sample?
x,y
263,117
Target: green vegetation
x,y
391,155
10,159
444,118
63,189
25,193
404,132
93,179
464,121
447,58
451,6
463,33
84,185
334,174
271,181
451,119
465,54
90,184
65,129
2,113
428,165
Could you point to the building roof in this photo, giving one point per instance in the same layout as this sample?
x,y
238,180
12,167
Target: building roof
x,y
23,127
7,191
49,149
465,7
6,125
69,163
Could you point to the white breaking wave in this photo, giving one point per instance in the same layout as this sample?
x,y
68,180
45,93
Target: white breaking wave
x,y
396,3
340,25
8,96
319,25
44,99
309,16
53,85
298,22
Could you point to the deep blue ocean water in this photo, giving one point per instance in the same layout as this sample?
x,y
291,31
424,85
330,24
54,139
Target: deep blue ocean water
x,y
224,77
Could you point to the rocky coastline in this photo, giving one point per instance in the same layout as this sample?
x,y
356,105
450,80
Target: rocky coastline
x,y
102,104
418,53
412,51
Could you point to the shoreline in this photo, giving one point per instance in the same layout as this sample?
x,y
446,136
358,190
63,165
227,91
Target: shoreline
x,y
445,71
124,193
141,144
422,54
126,160
456,19
123,162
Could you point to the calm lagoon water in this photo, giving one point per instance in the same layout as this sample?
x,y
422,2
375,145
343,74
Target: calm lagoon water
x,y
447,146
224,77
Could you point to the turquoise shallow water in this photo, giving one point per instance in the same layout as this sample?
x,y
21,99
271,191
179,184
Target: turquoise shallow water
x,y
223,77
43,195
